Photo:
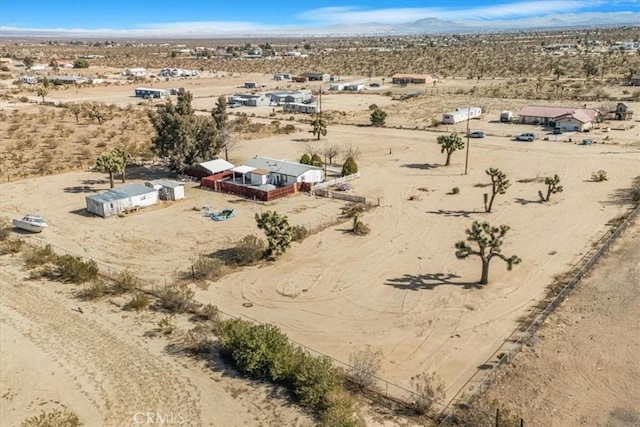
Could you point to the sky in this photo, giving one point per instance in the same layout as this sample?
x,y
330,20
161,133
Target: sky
x,y
173,17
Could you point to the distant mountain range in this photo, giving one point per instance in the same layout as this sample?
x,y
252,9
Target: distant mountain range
x,y
422,26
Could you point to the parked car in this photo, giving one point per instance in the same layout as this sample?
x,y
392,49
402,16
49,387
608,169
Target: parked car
x,y
374,85
477,134
557,131
235,105
528,136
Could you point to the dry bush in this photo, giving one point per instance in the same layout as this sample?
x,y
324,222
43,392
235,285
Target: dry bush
x,y
351,210
429,389
365,365
199,339
299,233
635,189
53,418
206,268
599,176
5,229
176,298
359,228
94,290
125,282
11,246
139,302
208,312
249,250
340,411
166,326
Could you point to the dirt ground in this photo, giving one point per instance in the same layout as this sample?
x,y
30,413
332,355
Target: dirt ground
x,y
584,368
399,290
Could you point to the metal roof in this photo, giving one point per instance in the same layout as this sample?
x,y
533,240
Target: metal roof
x,y
588,114
121,193
283,167
166,183
217,165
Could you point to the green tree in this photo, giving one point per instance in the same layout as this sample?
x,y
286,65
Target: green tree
x,y
349,167
76,110
80,63
378,117
28,62
489,241
108,163
221,119
316,160
181,136
123,158
318,127
42,92
449,144
553,187
305,159
499,185
278,231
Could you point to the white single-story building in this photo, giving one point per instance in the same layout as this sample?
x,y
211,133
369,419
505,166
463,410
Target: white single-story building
x,y
544,115
461,114
121,199
299,107
167,189
135,72
146,92
281,172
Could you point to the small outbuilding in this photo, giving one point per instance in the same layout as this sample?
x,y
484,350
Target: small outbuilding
x,y
461,114
209,168
167,189
145,92
121,199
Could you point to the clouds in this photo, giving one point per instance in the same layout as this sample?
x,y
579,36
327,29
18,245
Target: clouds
x,y
519,9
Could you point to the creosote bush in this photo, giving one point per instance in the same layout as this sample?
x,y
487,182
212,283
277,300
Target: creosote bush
x,y
263,352
176,298
299,233
599,176
125,282
73,269
249,250
139,302
206,268
366,365
94,290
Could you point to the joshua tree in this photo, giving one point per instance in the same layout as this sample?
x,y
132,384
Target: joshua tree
x,y
552,187
499,185
278,231
76,110
318,127
42,92
489,241
108,163
95,113
378,117
449,144
123,157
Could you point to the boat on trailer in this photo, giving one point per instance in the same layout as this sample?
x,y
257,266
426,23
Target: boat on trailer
x,y
30,222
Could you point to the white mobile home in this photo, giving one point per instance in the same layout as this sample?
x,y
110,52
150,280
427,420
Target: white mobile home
x,y
299,107
121,199
167,189
461,114
282,172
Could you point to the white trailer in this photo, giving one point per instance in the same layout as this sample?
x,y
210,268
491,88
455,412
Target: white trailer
x,y
461,114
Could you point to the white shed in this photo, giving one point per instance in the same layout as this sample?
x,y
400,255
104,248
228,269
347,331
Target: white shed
x,y
167,189
117,200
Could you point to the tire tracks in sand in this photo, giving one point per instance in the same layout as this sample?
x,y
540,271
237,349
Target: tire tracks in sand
x,y
118,377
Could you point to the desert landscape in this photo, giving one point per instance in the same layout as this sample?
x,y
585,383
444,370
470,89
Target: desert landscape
x,y
398,291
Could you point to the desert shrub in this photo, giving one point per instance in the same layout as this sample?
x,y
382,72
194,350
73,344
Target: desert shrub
x,y
176,298
73,269
305,159
349,167
351,210
365,365
299,233
455,190
199,340
359,228
5,229
206,268
208,312
11,246
428,389
599,176
316,160
139,302
313,379
340,411
635,189
94,290
125,282
249,250
166,326
482,412
53,418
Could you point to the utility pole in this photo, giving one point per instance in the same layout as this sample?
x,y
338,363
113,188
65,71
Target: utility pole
x,y
466,161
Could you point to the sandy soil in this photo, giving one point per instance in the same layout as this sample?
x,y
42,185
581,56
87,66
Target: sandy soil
x,y
104,366
399,290
584,368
